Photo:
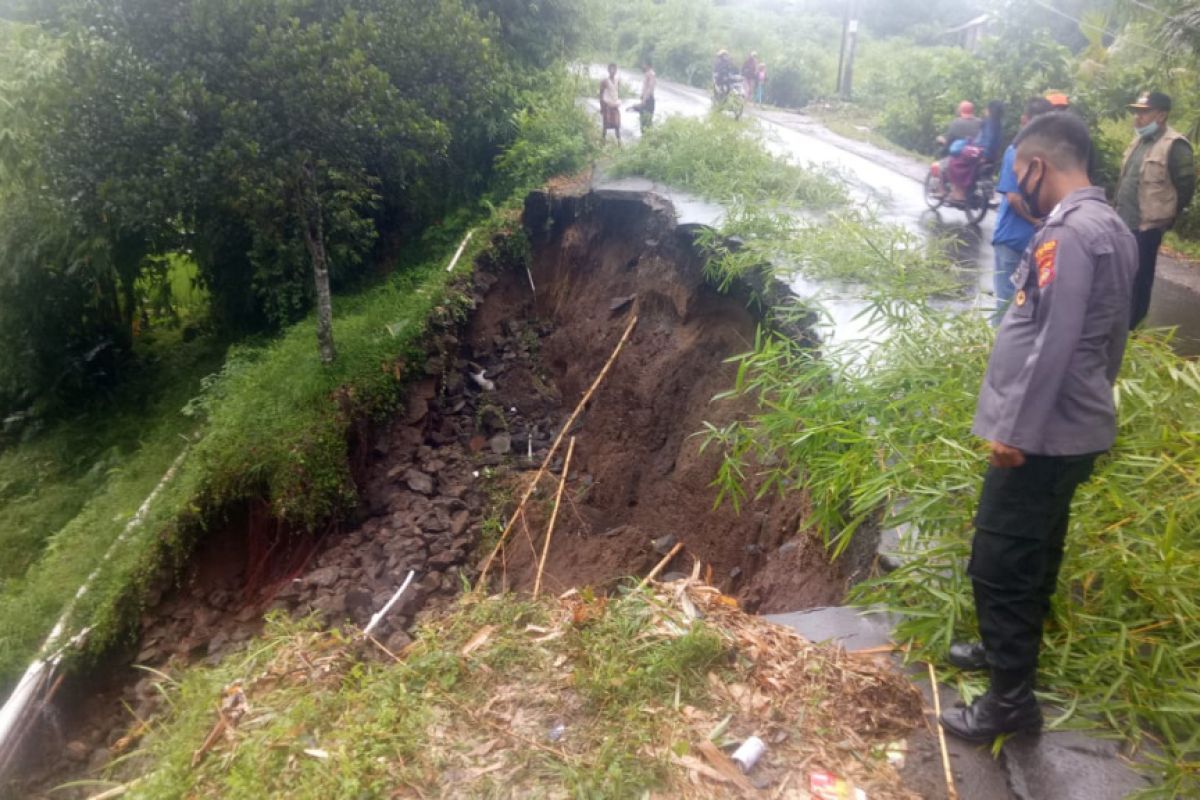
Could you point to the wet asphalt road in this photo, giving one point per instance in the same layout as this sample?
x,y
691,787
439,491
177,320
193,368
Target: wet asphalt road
x,y
892,185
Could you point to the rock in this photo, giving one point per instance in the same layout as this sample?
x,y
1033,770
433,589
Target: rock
x,y
663,544
445,558
77,751
398,641
415,410
459,522
419,481
501,444
788,547
330,605
217,642
491,419
618,303
671,577
322,577
359,600
100,757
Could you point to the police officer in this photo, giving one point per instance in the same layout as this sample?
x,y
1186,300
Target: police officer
x,y
1046,409
1158,179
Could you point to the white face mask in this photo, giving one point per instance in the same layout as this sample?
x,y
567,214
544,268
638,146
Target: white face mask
x,y
1148,130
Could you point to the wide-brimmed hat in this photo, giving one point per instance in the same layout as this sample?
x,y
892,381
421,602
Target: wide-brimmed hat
x,y
1156,101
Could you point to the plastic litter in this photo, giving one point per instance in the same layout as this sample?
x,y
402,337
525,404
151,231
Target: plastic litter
x,y
827,786
748,753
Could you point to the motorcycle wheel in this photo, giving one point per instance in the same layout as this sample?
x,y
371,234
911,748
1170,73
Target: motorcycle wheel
x,y
976,206
935,195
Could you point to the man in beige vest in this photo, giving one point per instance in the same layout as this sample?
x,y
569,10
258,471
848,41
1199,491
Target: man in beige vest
x,y
1157,182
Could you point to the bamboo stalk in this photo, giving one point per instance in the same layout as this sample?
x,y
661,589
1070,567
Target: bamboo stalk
x,y
661,565
458,253
487,564
937,710
562,483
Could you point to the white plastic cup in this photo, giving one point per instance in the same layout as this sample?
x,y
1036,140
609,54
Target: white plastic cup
x,y
748,753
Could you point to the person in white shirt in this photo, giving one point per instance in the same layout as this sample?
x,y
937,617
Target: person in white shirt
x,y
610,104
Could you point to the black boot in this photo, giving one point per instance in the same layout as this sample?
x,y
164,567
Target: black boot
x,y
1007,707
968,656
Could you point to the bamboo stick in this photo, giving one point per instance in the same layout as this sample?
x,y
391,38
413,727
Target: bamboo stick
x,y
458,253
660,565
562,483
937,710
487,564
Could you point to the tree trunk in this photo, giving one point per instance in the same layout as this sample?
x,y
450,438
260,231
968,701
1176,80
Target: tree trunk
x,y
314,240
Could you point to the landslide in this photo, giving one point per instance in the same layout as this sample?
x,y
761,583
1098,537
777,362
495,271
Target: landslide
x,y
439,478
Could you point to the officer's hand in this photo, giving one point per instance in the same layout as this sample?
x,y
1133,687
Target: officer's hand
x,y
1004,456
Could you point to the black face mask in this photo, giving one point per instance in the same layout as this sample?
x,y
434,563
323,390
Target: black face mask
x,y
1030,196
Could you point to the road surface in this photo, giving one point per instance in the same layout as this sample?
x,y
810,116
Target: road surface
x,y
892,184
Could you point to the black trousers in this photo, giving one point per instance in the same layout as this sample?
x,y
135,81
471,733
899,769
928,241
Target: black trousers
x,y
1148,243
1020,530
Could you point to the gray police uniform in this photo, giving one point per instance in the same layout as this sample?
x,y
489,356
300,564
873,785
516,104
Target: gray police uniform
x,y
1048,392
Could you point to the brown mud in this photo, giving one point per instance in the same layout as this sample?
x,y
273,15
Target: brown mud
x,y
430,480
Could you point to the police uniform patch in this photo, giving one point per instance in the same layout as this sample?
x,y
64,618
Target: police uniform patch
x,y
1020,298
1044,257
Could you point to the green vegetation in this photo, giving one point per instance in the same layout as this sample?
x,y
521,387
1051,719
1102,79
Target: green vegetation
x,y
885,429
161,224
780,216
384,725
723,159
285,146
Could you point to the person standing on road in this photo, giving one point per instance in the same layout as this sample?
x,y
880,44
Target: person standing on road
x,y
750,75
1158,179
610,105
646,107
1014,223
760,82
1046,409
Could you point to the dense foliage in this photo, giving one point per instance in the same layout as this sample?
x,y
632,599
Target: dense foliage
x,y
284,144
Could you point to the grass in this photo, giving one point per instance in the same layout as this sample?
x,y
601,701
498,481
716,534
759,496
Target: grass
x,y
507,696
894,438
271,423
858,123
389,725
723,159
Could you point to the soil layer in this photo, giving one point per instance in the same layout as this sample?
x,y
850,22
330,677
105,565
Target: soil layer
x,y
489,399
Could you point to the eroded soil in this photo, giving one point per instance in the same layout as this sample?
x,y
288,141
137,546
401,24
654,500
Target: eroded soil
x,y
639,481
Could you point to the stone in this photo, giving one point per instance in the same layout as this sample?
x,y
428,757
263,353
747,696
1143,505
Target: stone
x,y
77,751
788,547
331,605
322,577
618,303
217,642
445,558
491,419
100,757
359,599
459,523
663,544
501,444
419,481
398,641
415,410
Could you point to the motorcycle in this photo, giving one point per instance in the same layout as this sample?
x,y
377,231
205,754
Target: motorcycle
x,y
728,95
978,198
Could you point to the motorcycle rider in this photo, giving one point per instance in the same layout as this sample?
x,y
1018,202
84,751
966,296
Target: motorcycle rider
x,y
965,127
724,72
